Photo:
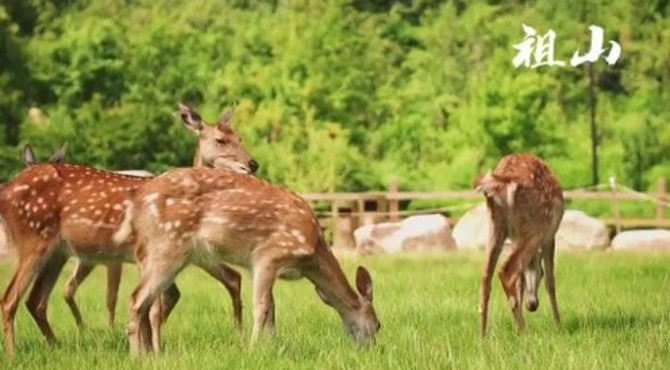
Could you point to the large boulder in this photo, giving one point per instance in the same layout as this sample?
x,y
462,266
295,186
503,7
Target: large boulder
x,y
413,234
642,240
472,229
578,231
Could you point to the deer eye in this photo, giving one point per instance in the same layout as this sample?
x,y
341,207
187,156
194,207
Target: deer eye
x,y
222,141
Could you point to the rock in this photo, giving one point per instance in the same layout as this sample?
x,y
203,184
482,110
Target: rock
x,y
578,231
414,234
642,240
472,230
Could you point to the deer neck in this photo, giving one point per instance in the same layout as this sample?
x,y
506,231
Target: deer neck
x,y
330,279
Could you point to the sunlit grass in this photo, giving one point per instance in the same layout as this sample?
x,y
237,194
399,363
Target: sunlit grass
x,y
615,311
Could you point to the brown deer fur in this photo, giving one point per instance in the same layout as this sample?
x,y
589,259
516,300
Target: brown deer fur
x,y
525,201
201,216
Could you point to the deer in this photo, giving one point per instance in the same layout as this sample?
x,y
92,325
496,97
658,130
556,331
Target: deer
x,y
526,204
83,267
55,210
201,216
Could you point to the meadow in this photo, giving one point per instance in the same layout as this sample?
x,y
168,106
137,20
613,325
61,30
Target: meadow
x,y
614,308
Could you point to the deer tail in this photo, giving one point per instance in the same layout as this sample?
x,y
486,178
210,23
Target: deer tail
x,y
497,188
125,230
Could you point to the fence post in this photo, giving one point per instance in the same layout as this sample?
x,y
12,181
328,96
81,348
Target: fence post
x,y
393,204
615,204
662,199
343,224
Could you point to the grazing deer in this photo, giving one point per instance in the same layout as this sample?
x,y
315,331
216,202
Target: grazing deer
x,y
202,216
525,200
54,210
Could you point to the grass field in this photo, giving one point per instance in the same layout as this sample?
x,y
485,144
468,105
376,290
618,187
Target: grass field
x,y
614,308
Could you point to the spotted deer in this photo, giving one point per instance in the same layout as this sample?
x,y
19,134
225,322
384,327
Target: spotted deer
x,y
525,201
202,216
52,211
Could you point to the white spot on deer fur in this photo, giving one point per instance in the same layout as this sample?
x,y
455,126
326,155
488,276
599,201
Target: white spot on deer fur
x,y
27,207
21,187
45,178
300,252
151,197
33,192
97,212
298,235
169,201
66,208
117,207
35,209
216,219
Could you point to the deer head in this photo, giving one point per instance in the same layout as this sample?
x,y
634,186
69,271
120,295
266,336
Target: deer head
x,y
219,145
361,322
532,276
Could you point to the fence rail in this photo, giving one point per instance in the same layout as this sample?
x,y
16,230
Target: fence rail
x,y
351,210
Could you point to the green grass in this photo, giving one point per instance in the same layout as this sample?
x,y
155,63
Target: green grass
x,y
614,307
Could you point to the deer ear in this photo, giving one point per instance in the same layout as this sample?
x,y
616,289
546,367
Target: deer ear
x,y
227,116
59,155
190,118
322,295
29,155
364,283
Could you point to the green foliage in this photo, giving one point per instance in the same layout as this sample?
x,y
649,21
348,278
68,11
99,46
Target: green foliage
x,y
336,95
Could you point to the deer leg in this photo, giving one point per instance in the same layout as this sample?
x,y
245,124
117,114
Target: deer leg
x,y
264,275
156,320
114,271
497,235
38,299
232,280
28,267
271,316
169,301
511,275
139,329
158,274
548,257
81,272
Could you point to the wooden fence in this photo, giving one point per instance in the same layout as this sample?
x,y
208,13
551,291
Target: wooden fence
x,y
348,211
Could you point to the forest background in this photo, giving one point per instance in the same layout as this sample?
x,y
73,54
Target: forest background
x,y
338,95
